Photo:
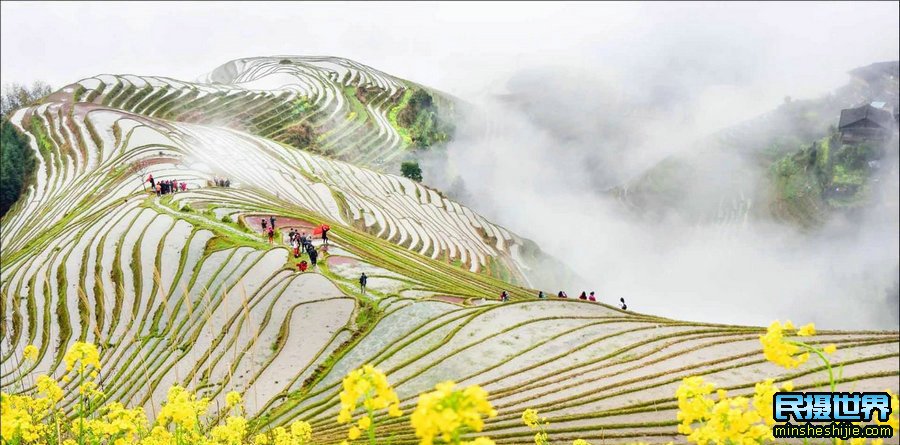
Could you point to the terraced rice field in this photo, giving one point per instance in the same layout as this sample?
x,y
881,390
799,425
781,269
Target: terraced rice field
x,y
183,288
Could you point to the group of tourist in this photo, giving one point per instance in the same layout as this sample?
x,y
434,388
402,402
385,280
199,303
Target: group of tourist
x,y
504,296
166,186
222,182
301,242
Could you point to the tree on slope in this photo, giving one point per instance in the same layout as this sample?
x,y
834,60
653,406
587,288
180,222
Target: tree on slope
x,y
411,170
16,96
17,162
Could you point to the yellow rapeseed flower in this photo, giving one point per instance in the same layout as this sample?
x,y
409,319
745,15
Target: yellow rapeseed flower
x,y
780,351
232,399
369,387
182,408
30,353
353,433
48,387
530,418
830,349
231,433
301,432
447,412
85,354
693,402
479,441
580,442
807,330
726,420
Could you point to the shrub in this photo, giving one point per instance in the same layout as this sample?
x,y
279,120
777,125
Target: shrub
x,y
301,135
411,170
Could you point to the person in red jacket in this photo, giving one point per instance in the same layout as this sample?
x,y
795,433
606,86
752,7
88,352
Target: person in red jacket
x,y
302,266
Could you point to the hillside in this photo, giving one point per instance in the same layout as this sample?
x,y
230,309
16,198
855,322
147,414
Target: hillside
x,y
739,172
183,288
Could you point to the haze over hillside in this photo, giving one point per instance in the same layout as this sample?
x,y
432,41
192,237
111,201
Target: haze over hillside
x,y
616,102
467,161
186,289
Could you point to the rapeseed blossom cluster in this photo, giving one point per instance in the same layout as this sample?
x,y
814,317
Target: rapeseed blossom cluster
x,y
787,353
448,413
532,420
300,433
30,353
727,420
21,418
370,386
747,420
84,354
182,409
780,351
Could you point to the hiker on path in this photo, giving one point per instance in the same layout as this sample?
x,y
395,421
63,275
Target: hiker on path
x,y
325,230
624,306
183,186
562,294
591,297
313,256
504,296
152,182
271,235
296,247
583,296
541,294
363,279
262,221
291,235
272,220
158,189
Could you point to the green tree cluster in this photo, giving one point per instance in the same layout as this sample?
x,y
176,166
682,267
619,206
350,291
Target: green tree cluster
x,y
411,170
17,162
421,117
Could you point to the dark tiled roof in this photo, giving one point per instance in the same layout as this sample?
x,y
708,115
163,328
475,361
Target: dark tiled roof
x,y
853,115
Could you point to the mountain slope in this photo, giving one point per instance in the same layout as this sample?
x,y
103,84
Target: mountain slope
x,y
183,289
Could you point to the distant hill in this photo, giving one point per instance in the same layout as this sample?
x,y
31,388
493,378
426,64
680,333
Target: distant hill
x,y
734,174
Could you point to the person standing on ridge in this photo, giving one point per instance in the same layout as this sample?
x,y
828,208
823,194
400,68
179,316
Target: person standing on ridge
x,y
262,222
562,294
541,294
313,256
624,306
272,221
152,182
591,297
325,230
583,296
363,279
504,296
